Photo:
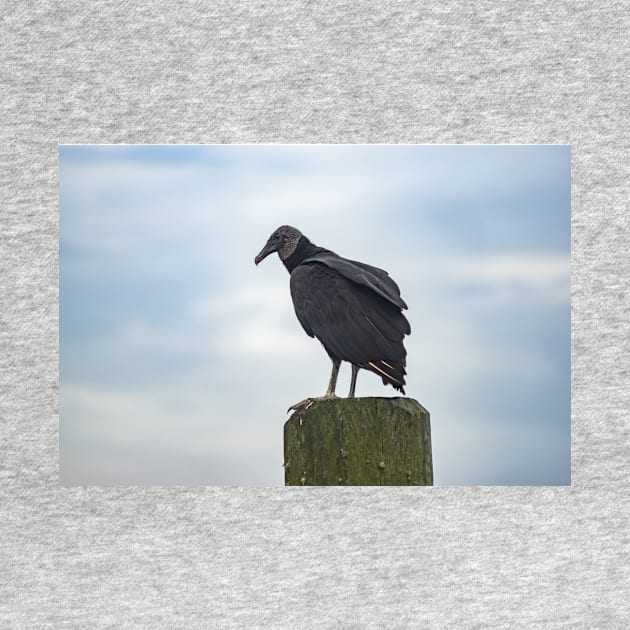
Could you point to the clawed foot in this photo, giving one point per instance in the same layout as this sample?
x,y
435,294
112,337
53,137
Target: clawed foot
x,y
305,404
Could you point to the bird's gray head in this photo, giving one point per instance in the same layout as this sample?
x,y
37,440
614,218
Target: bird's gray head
x,y
284,241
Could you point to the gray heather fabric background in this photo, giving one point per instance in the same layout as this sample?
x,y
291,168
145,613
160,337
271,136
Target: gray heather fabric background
x,y
199,72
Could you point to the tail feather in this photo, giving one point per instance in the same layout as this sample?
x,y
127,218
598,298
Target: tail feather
x,y
391,372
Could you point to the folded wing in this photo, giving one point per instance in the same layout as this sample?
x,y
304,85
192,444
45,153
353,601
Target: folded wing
x,y
355,311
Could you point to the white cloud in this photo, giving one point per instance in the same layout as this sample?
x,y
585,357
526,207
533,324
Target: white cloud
x,y
504,278
531,270
136,429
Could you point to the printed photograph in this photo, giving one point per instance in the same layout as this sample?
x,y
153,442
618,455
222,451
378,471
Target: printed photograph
x,y
269,315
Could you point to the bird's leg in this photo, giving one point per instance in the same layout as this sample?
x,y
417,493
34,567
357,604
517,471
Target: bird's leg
x,y
353,380
330,392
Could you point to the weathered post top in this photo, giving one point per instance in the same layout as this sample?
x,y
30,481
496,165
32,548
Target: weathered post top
x,y
359,442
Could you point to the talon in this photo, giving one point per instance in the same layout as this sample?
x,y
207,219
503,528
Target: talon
x,y
306,403
309,402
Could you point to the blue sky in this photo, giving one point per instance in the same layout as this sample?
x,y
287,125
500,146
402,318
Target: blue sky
x,y
179,357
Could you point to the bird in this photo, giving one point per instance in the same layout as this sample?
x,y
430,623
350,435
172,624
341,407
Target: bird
x,y
352,308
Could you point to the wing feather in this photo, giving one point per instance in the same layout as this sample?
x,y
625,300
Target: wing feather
x,y
352,321
378,280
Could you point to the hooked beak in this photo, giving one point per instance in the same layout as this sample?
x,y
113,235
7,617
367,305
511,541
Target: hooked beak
x,y
269,248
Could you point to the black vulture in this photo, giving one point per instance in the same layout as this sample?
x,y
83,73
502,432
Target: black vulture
x,y
354,309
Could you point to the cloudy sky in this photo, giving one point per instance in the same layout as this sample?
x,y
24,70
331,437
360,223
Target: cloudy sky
x,y
179,357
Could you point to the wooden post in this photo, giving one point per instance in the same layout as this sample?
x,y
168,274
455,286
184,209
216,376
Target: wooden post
x,y
359,442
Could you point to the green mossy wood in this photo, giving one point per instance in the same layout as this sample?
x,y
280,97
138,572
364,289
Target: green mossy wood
x,y
359,442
